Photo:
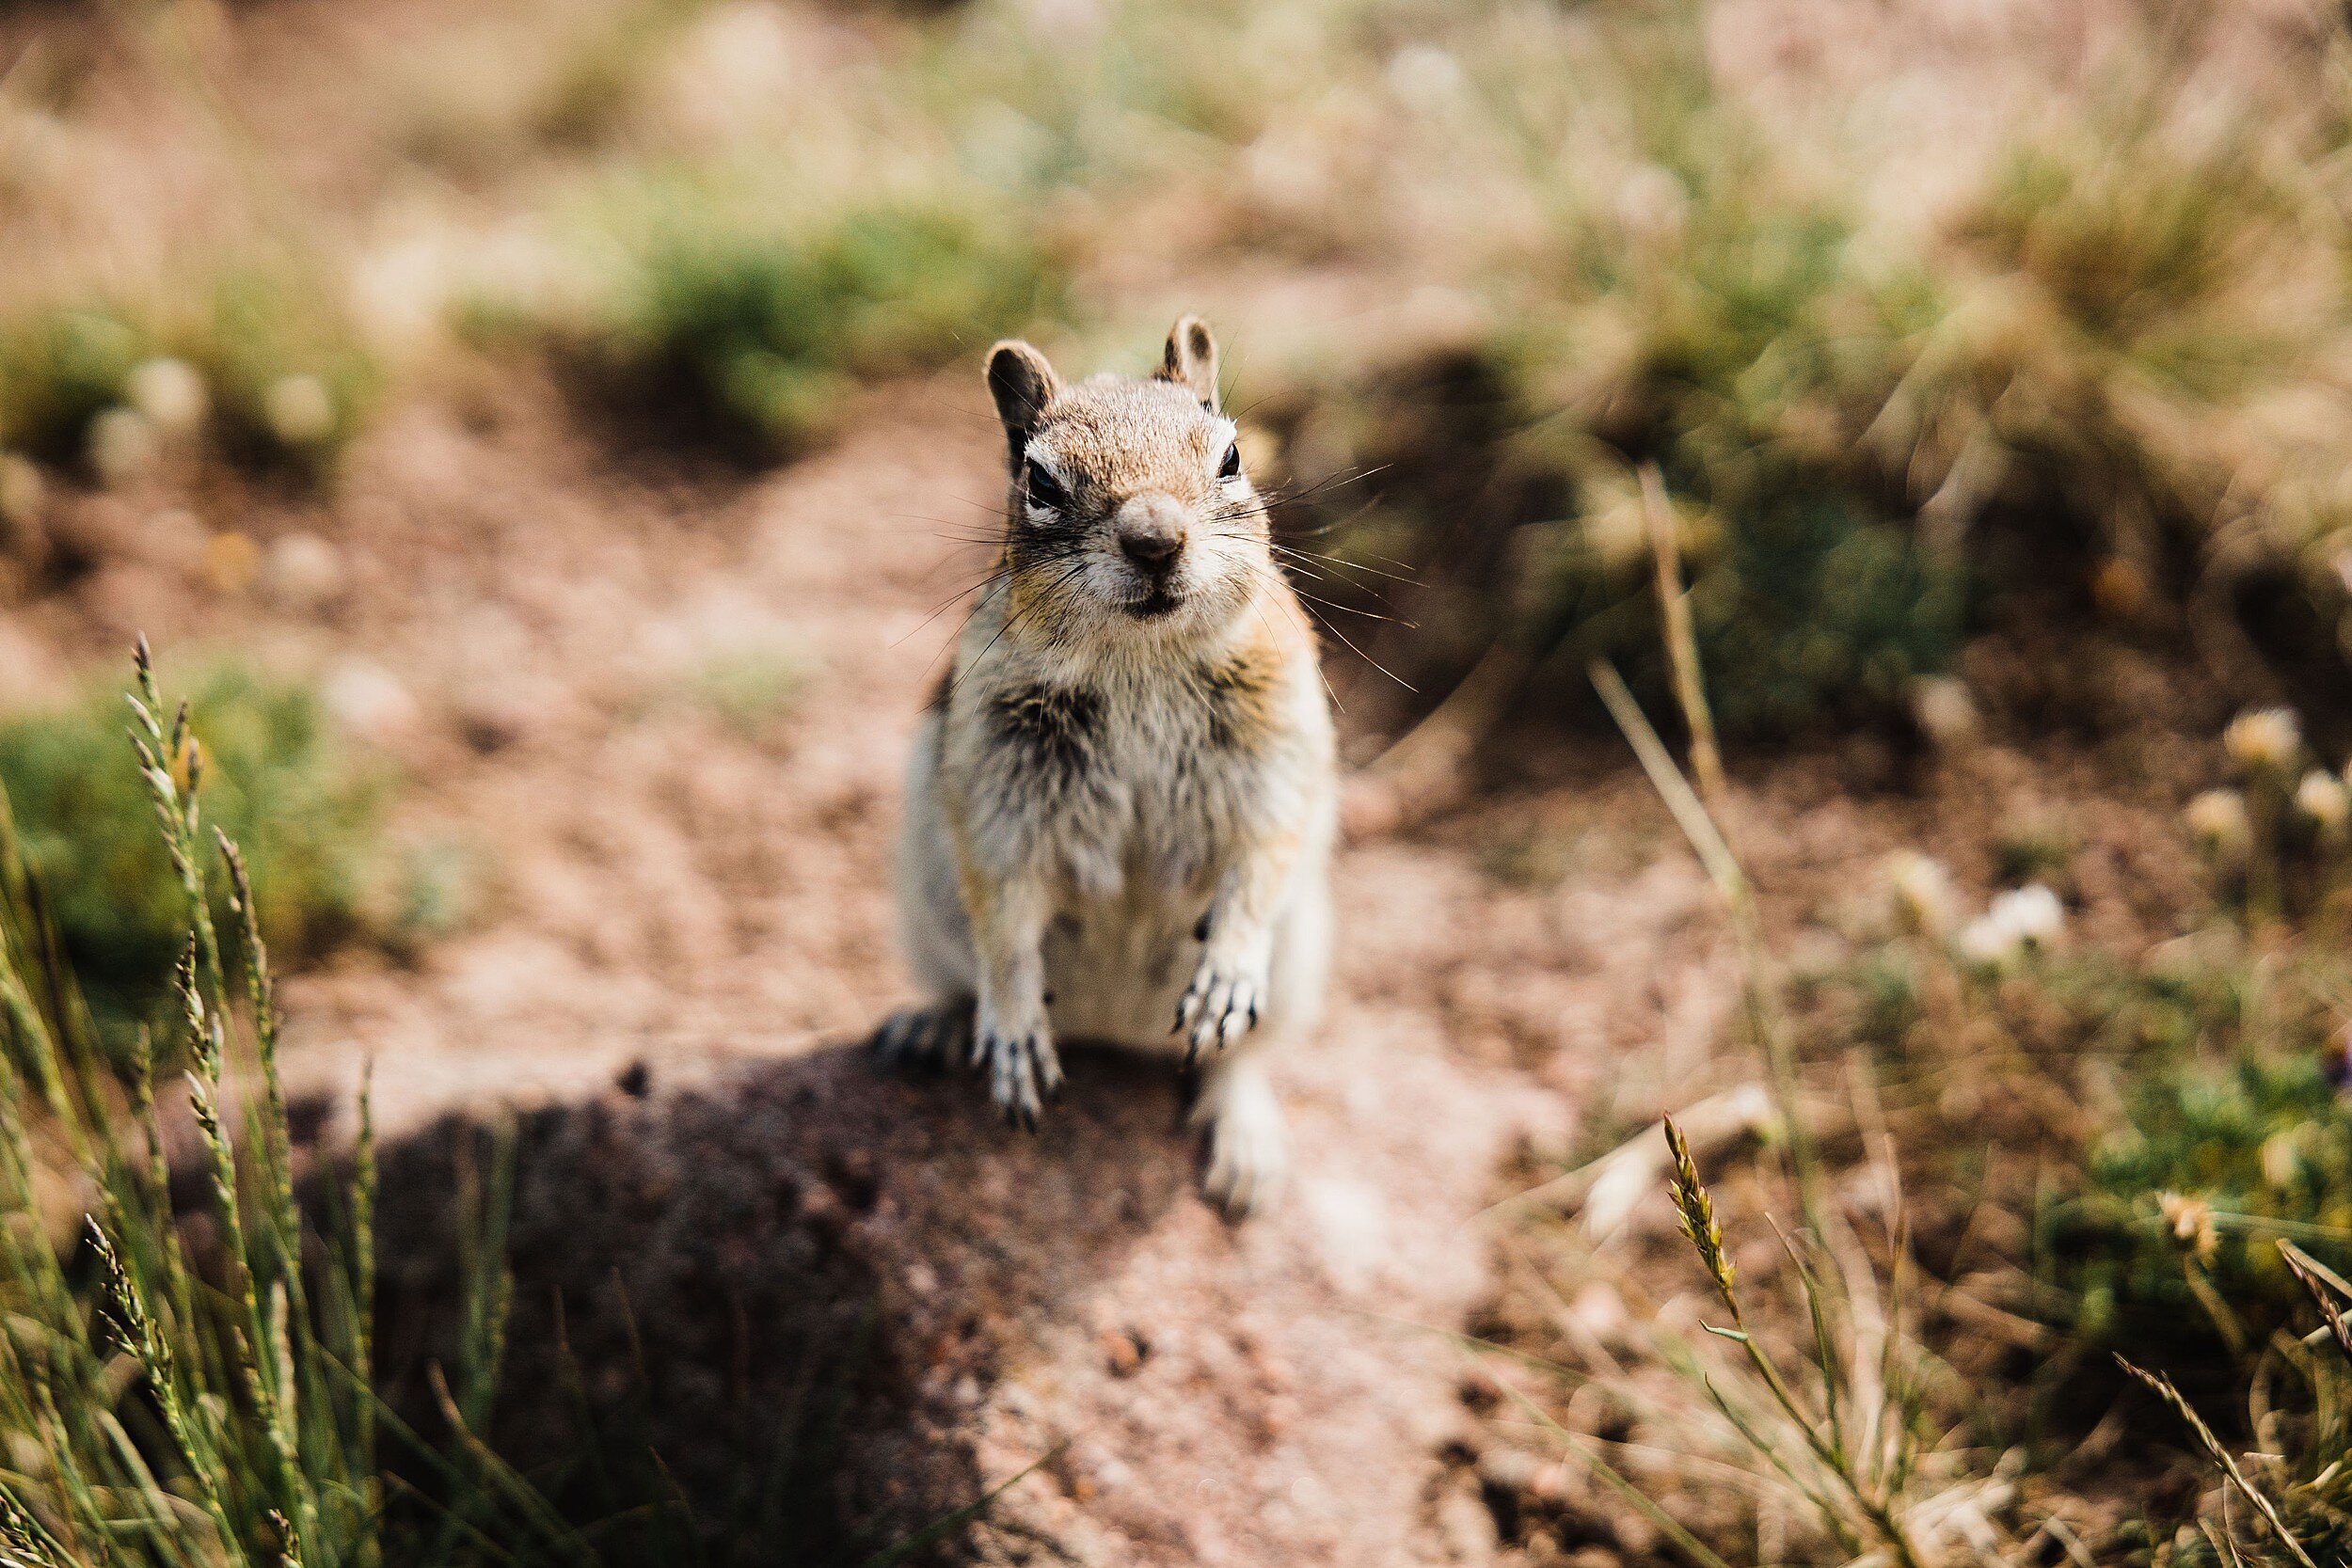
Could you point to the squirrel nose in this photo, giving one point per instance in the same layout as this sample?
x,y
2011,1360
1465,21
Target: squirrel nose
x,y
1150,549
1151,533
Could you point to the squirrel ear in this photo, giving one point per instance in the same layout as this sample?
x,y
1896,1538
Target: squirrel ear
x,y
1022,383
1191,359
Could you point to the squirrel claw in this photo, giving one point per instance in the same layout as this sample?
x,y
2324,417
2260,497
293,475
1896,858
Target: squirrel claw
x,y
1217,1010
931,1037
1025,1070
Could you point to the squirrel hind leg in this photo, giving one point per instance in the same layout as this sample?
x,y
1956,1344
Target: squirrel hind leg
x,y
1247,1156
929,1039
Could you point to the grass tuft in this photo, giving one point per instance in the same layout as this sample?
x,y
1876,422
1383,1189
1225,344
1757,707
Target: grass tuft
x,y
180,1388
735,321
259,367
307,816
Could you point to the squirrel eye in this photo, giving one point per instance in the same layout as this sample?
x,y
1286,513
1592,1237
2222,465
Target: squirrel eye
x,y
1230,467
1043,488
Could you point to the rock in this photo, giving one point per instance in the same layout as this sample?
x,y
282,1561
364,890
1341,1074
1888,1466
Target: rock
x,y
368,702
299,410
1944,712
492,719
171,394
303,572
1121,1353
123,447
973,1302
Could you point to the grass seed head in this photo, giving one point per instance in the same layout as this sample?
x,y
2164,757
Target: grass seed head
x,y
1697,1212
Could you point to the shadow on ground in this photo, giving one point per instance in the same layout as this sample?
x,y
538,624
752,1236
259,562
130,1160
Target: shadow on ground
x,y
793,1286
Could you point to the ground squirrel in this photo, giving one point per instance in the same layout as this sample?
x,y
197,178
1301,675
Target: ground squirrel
x,y
1121,804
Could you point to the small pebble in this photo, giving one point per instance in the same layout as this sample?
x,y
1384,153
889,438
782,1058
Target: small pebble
x,y
122,447
299,410
304,572
368,702
1121,1353
171,393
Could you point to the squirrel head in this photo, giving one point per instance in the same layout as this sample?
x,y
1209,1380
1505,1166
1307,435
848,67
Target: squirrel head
x,y
1130,516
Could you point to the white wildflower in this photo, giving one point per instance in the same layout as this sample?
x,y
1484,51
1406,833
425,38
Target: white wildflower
x,y
2217,821
1985,942
2264,740
2190,1221
2034,912
2322,800
1921,891
2024,920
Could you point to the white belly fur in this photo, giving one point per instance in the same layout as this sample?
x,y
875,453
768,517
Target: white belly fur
x,y
1114,966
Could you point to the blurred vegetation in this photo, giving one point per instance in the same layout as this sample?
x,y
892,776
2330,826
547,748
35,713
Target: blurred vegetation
x,y
191,1374
732,321
2099,371
274,781
2105,370
260,370
749,687
1745,338
2186,1202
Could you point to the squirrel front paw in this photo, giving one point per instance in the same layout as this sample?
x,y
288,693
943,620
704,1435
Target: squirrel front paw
x,y
931,1038
1221,1004
1023,1067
